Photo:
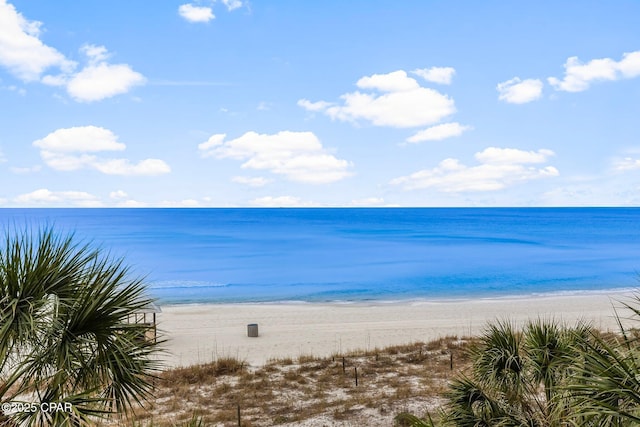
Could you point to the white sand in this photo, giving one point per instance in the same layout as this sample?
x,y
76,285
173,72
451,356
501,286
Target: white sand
x,y
202,333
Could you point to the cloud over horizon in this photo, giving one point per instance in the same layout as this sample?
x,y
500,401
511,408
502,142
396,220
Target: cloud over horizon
x,y
298,156
47,197
498,168
73,148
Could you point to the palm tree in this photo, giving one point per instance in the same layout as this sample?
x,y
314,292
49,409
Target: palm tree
x,y
608,389
64,334
518,377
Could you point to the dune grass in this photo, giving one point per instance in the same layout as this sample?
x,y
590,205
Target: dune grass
x,y
307,389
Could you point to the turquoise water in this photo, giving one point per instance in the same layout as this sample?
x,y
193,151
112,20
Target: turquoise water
x,y
241,255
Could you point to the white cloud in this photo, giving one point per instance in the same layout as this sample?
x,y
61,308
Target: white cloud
x,y
264,106
257,181
147,167
119,194
44,196
99,80
27,57
25,170
579,76
498,169
397,81
67,150
13,88
626,164
496,155
369,201
82,138
442,75
21,50
516,91
314,106
130,203
281,202
196,13
629,65
396,100
299,156
186,203
439,132
232,4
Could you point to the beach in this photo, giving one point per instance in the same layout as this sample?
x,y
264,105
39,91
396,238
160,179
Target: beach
x,y
202,333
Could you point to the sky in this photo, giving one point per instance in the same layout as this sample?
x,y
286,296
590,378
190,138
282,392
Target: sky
x,y
285,103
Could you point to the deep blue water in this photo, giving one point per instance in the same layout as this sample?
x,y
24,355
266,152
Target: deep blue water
x,y
223,255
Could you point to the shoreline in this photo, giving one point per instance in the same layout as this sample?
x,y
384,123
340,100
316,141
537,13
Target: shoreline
x,y
200,333
623,291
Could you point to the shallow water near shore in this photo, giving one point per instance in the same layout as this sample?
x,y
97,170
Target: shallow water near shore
x,y
320,255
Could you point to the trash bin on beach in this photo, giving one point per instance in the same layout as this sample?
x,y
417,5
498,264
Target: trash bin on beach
x,y
252,330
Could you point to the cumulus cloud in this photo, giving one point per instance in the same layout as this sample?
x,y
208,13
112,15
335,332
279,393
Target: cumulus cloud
x,y
28,58
442,75
47,197
578,76
439,132
21,50
498,169
98,80
299,156
196,13
281,202
75,148
516,91
392,99
257,181
84,138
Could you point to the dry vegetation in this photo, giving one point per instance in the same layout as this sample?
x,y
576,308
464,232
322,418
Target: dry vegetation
x,y
308,391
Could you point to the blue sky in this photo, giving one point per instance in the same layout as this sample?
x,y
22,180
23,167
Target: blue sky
x,y
327,103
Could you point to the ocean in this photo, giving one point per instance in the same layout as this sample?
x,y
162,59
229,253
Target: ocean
x,y
360,254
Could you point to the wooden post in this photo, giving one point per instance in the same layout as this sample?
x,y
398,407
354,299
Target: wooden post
x,y
239,422
451,361
355,368
343,365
